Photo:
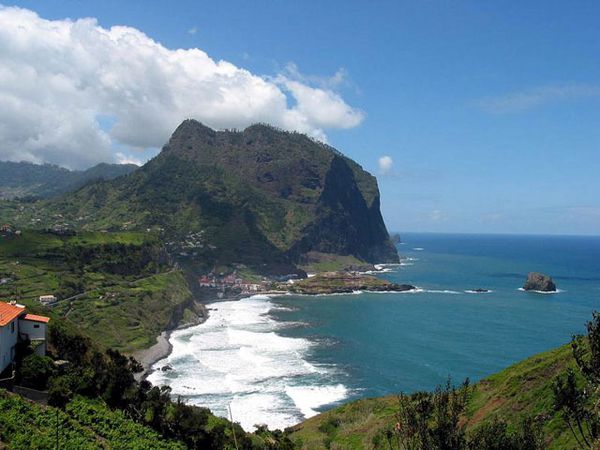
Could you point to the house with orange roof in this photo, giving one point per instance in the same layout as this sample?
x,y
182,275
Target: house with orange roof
x,y
17,325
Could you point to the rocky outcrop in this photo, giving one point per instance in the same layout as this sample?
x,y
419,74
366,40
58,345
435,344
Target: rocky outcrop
x,y
345,282
539,282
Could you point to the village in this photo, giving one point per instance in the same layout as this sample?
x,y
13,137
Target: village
x,y
235,282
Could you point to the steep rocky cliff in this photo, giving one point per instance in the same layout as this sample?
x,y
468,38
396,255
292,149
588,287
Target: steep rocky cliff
x,y
262,197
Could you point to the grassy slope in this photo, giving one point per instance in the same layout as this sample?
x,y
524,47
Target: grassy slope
x,y
132,319
84,424
125,312
518,391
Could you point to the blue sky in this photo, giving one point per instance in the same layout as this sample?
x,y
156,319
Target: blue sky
x,y
490,111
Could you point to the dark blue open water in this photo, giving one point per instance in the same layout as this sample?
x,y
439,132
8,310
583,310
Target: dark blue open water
x,y
311,351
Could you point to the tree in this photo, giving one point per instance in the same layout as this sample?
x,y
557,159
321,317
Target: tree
x,y
576,393
60,391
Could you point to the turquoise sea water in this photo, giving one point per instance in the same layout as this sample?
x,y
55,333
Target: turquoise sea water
x,y
282,359
392,342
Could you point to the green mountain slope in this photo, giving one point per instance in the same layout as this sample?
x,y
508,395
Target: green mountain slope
x,y
524,389
117,287
26,179
261,197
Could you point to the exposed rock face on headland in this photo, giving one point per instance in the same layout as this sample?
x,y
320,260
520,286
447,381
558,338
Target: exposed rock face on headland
x,y
539,282
345,282
261,197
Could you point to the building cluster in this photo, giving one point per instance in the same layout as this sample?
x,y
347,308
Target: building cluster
x,y
191,245
231,281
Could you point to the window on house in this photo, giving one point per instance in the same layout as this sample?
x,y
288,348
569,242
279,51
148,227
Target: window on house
x,y
37,325
12,327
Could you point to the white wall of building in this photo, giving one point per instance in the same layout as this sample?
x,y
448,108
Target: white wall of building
x,y
8,340
33,330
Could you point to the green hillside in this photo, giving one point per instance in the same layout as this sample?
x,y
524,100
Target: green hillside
x,y
23,179
119,288
520,391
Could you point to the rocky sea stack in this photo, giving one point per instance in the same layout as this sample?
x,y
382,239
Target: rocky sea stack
x,y
539,282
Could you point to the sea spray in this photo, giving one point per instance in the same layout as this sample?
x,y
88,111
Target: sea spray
x,y
237,358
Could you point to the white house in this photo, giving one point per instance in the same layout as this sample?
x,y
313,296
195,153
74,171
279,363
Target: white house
x,y
15,325
47,300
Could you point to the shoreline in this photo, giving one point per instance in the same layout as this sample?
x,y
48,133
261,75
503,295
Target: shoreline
x,y
148,357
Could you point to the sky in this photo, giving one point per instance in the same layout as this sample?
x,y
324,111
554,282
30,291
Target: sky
x,y
475,116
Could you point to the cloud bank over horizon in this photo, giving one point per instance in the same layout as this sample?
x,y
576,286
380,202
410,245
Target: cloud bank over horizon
x,y
74,93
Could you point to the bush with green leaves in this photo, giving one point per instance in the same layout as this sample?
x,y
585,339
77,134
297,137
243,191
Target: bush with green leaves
x,y
435,421
35,371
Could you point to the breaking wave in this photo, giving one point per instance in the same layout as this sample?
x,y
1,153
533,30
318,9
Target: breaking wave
x,y
237,359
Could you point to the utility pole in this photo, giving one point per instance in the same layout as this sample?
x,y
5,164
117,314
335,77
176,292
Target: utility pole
x,y
232,427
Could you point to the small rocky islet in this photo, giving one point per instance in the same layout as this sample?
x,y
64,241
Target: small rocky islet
x,y
539,282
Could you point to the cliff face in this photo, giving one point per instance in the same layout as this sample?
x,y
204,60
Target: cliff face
x,y
344,223
335,203
261,197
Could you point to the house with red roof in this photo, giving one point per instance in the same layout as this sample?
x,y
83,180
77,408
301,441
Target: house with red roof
x,y
17,325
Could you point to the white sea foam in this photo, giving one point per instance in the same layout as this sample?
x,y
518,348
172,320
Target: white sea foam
x,y
419,290
558,291
441,291
418,249
308,397
237,358
472,291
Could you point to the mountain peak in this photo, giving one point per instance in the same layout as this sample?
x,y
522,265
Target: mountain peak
x,y
192,127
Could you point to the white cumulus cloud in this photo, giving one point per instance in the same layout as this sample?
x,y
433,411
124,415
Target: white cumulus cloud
x,y
386,164
72,90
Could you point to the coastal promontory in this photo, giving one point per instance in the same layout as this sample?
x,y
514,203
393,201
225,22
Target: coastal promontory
x,y
345,283
260,197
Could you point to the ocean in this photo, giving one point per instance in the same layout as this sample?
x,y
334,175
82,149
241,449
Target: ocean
x,y
279,360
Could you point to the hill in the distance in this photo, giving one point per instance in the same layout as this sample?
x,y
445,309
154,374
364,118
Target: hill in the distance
x,y
262,197
24,179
